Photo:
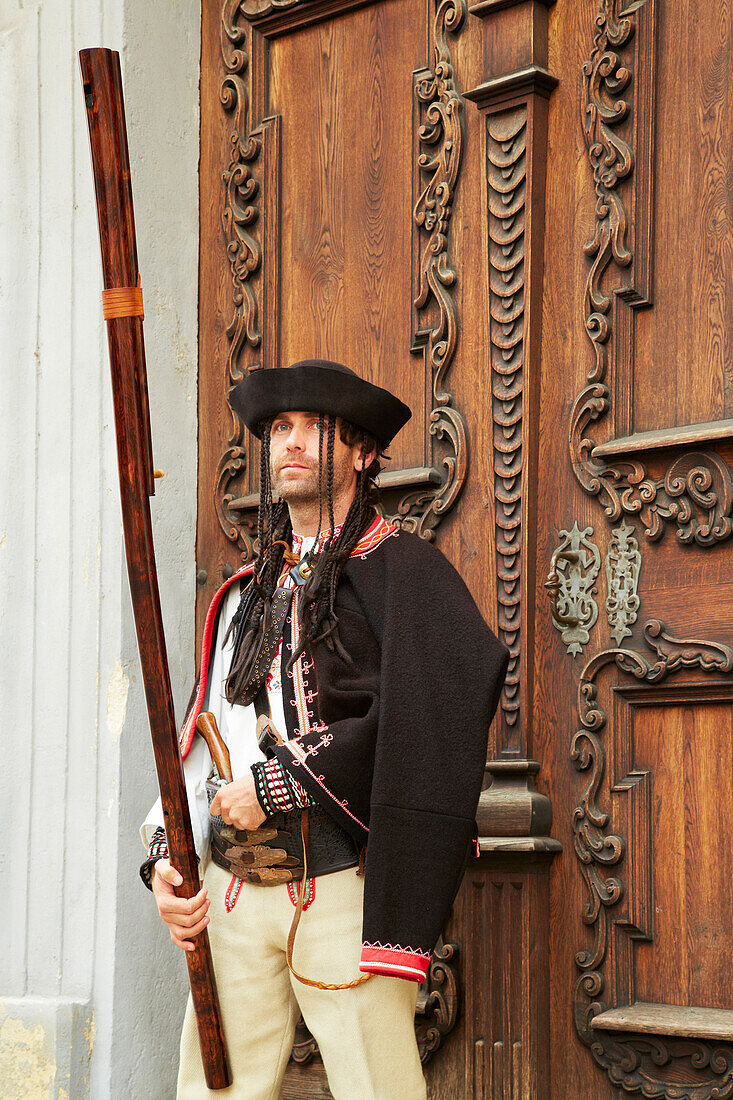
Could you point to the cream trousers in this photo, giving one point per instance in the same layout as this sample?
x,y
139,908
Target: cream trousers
x,y
366,1034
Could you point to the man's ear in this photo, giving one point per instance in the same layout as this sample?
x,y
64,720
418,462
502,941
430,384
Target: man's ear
x,y
364,460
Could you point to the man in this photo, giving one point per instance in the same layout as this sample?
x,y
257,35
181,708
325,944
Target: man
x,y
367,660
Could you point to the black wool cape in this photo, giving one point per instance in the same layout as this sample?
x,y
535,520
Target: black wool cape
x,y
394,745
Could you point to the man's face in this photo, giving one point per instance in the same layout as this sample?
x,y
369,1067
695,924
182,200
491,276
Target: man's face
x,y
294,439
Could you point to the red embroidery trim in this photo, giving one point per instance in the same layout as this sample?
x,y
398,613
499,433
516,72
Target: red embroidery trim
x,y
310,888
394,961
189,725
233,891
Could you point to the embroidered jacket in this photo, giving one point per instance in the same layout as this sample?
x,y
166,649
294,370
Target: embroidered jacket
x,y
394,744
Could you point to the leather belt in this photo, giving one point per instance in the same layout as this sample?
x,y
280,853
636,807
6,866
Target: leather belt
x,y
273,853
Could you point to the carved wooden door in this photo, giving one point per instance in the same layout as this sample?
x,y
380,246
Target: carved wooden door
x,y
516,215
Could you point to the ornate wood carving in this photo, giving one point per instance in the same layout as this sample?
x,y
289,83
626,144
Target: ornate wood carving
x,y
438,1000
623,563
696,492
241,219
572,581
506,136
633,1063
436,1012
441,140
677,1069
515,107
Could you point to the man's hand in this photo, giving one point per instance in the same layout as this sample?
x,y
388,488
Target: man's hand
x,y
237,804
185,917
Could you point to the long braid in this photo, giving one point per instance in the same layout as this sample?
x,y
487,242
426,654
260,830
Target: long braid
x,y
317,615
273,524
318,618
329,474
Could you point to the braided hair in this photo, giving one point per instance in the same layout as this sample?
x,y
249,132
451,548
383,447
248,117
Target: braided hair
x,y
317,617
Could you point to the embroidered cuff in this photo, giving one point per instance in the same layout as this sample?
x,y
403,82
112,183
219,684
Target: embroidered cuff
x,y
396,962
277,791
158,849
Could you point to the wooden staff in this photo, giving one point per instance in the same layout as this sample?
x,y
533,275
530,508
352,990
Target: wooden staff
x,y
122,301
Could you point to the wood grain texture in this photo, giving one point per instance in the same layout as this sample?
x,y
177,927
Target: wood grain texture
x,y
102,85
348,267
691,752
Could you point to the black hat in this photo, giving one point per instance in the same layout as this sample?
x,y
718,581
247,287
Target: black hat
x,y
318,385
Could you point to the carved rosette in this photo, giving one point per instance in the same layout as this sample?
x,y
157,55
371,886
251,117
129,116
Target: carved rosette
x,y
441,142
600,852
697,497
506,134
623,563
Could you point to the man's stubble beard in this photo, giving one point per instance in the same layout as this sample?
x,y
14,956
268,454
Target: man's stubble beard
x,y
305,490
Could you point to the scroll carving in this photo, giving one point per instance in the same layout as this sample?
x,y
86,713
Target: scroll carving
x,y
438,1000
244,255
697,496
441,139
623,563
506,134
630,1062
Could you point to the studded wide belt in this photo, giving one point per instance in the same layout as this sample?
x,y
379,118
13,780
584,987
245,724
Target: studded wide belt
x,y
273,853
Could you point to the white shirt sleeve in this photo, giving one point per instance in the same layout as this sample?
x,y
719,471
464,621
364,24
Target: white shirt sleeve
x,y
238,727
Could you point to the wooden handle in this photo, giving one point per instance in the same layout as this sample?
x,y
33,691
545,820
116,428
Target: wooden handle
x,y
207,727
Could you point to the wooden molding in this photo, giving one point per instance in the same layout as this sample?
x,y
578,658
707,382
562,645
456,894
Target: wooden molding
x,y
534,80
482,8
696,434
613,878
276,17
680,1020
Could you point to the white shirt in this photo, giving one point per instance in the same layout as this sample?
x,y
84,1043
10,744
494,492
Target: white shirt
x,y
237,724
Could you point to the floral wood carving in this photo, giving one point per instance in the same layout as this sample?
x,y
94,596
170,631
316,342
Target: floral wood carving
x,y
631,1062
441,138
623,562
506,134
697,495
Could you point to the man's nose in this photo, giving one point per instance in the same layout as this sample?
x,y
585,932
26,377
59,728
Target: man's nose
x,y
296,439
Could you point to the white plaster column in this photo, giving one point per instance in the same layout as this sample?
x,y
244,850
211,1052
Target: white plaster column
x,y
90,990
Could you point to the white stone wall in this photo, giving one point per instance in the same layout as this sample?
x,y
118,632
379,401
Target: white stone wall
x,y
90,990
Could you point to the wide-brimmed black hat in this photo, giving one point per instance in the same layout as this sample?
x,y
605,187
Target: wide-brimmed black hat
x,y
318,385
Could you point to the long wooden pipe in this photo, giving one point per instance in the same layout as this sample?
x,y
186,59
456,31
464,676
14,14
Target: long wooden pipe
x,y
102,80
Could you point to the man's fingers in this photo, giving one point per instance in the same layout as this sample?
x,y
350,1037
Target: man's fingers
x,y
181,937
170,905
183,919
168,873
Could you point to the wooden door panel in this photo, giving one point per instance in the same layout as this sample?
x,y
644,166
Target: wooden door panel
x,y
689,748
622,729
514,213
